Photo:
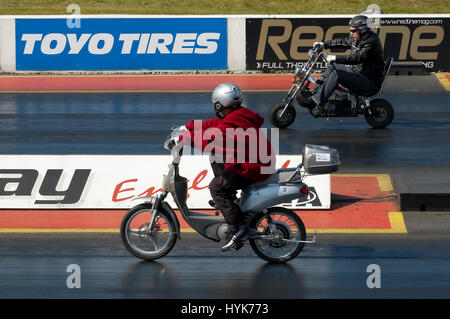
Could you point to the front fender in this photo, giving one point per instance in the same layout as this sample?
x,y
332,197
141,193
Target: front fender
x,y
169,209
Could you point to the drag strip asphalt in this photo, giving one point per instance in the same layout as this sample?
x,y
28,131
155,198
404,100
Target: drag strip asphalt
x,y
138,123
413,265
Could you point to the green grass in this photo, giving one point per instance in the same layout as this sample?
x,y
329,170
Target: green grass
x,y
177,7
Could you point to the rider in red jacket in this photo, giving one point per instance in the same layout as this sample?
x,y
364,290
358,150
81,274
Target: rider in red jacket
x,y
240,154
238,124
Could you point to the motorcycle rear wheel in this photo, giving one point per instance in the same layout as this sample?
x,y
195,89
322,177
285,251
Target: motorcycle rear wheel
x,y
143,242
382,113
277,240
282,121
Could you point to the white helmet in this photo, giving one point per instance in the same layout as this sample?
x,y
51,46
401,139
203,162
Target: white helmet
x,y
226,95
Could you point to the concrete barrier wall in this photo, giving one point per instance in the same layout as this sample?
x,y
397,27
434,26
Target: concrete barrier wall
x,y
7,44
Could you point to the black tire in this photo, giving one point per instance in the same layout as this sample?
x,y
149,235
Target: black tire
x,y
382,113
136,251
288,116
301,234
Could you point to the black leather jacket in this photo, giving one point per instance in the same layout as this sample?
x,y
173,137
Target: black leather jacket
x,y
366,56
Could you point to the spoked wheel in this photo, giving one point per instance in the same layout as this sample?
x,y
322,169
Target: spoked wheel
x,y
282,120
144,241
382,113
278,235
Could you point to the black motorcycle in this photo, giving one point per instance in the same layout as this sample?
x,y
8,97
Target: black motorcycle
x,y
378,112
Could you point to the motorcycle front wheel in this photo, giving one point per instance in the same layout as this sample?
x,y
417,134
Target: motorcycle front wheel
x,y
146,241
285,120
279,235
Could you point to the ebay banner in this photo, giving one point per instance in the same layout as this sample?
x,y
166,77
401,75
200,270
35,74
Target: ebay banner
x,y
113,181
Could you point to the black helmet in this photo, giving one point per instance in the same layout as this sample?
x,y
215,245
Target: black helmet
x,y
360,23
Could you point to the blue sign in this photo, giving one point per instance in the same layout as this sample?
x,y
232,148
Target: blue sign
x,y
122,44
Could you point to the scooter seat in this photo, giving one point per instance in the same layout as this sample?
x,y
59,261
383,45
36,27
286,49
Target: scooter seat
x,y
281,175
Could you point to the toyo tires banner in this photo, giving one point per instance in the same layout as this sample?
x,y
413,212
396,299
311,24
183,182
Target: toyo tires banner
x,y
121,44
283,43
110,182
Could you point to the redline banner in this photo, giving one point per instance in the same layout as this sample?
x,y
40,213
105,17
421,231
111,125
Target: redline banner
x,y
112,182
283,43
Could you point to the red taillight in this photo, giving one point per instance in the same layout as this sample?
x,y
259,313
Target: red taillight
x,y
304,190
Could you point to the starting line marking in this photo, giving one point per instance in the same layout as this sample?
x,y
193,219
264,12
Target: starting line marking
x,y
444,79
384,180
395,218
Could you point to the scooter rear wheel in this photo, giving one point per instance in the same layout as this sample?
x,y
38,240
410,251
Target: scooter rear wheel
x,y
145,242
277,240
282,121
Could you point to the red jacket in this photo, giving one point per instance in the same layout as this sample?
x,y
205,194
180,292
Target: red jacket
x,y
237,141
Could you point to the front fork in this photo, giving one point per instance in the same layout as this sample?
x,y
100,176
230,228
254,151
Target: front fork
x,y
150,227
294,90
290,97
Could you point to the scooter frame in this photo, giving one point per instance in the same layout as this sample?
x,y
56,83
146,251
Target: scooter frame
x,y
205,224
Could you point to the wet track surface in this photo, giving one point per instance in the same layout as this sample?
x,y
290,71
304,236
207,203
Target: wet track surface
x,y
413,265
137,123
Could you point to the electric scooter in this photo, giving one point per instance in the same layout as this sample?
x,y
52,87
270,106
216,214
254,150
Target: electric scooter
x,y
150,230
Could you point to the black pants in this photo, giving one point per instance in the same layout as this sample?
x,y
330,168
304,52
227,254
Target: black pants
x,y
223,188
337,74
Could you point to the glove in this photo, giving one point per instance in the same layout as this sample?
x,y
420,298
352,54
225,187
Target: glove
x,y
179,128
318,46
331,58
170,143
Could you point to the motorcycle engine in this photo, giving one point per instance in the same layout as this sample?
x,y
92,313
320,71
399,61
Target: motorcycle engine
x,y
340,107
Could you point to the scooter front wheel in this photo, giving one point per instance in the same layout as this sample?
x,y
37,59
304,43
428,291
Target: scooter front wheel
x,y
279,120
143,239
280,235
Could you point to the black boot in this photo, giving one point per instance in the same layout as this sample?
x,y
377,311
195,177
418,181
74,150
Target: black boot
x,y
316,111
304,99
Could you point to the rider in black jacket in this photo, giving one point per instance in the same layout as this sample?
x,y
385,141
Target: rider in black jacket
x,y
361,71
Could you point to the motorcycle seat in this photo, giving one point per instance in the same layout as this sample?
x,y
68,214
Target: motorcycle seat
x,y
387,69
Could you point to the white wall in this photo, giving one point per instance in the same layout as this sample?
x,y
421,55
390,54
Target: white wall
x,y
7,44
236,44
